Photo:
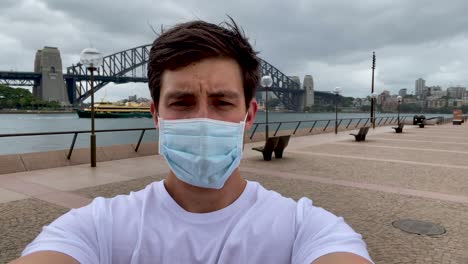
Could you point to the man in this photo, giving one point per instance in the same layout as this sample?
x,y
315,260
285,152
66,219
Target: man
x,y
202,79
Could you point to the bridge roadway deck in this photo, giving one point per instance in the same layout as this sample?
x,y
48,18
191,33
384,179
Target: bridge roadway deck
x,y
421,174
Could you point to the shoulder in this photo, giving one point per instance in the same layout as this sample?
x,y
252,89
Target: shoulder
x,y
82,233
303,210
127,202
319,232
273,204
264,195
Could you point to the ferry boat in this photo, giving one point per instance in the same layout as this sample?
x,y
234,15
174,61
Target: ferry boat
x,y
111,110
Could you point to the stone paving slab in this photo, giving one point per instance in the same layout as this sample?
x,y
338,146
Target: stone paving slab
x,y
451,127
419,177
372,213
437,133
418,148
20,222
133,168
76,177
400,142
452,139
385,138
8,195
113,189
361,150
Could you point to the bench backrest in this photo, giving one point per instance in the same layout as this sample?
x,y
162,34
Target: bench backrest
x,y
363,131
283,142
271,143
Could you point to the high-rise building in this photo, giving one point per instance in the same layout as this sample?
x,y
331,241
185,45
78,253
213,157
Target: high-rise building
x,y
133,98
419,87
456,92
438,94
430,90
403,92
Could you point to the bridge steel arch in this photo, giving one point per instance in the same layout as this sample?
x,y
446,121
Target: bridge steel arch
x,y
125,64
120,64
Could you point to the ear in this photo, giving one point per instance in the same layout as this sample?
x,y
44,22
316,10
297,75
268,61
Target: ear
x,y
251,112
154,113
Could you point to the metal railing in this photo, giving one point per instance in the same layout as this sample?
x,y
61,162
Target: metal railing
x,y
346,123
325,123
445,120
72,146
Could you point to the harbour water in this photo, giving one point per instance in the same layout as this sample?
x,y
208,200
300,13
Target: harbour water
x,y
29,123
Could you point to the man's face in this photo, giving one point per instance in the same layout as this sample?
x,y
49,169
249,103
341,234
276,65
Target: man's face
x,y
211,88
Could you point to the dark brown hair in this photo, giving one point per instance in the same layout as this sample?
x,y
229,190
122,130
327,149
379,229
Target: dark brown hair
x,y
197,40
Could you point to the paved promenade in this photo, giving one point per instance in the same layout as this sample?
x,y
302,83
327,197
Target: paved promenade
x,y
421,174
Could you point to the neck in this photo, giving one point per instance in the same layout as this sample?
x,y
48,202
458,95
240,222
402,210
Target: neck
x,y
202,200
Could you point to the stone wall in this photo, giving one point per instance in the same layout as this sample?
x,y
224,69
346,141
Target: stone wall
x,y
58,158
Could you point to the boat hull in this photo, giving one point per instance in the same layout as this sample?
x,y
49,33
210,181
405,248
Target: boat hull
x,y
97,114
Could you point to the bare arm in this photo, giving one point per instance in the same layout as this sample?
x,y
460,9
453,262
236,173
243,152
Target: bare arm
x,y
341,258
45,257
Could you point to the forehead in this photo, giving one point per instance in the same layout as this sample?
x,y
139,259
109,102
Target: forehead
x,y
212,75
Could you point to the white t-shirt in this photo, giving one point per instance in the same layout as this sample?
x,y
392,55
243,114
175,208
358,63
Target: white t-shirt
x,y
148,226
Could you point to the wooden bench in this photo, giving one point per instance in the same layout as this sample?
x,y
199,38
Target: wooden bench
x,y
273,144
282,144
399,128
361,135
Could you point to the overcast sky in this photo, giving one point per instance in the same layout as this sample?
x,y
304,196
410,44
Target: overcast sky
x,y
331,40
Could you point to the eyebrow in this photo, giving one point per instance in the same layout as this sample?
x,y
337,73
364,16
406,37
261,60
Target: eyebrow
x,y
184,94
178,94
225,94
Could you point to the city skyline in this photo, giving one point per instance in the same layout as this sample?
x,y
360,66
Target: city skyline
x,y
332,41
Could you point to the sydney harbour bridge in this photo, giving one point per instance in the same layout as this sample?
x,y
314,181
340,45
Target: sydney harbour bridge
x,y
131,66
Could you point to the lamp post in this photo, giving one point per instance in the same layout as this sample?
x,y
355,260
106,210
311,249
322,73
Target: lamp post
x,y
91,58
266,82
372,91
337,92
399,99
373,103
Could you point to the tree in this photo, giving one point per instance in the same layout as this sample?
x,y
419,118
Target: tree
x,y
21,98
411,108
272,103
365,108
347,101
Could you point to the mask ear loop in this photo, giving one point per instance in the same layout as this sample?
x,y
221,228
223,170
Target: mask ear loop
x,y
158,127
241,134
159,120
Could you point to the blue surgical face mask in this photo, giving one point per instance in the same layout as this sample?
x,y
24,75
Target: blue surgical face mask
x,y
200,151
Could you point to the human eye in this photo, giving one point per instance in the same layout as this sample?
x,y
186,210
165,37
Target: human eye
x,y
223,103
181,103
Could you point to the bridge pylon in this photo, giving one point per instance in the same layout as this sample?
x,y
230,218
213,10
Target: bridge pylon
x,y
51,86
